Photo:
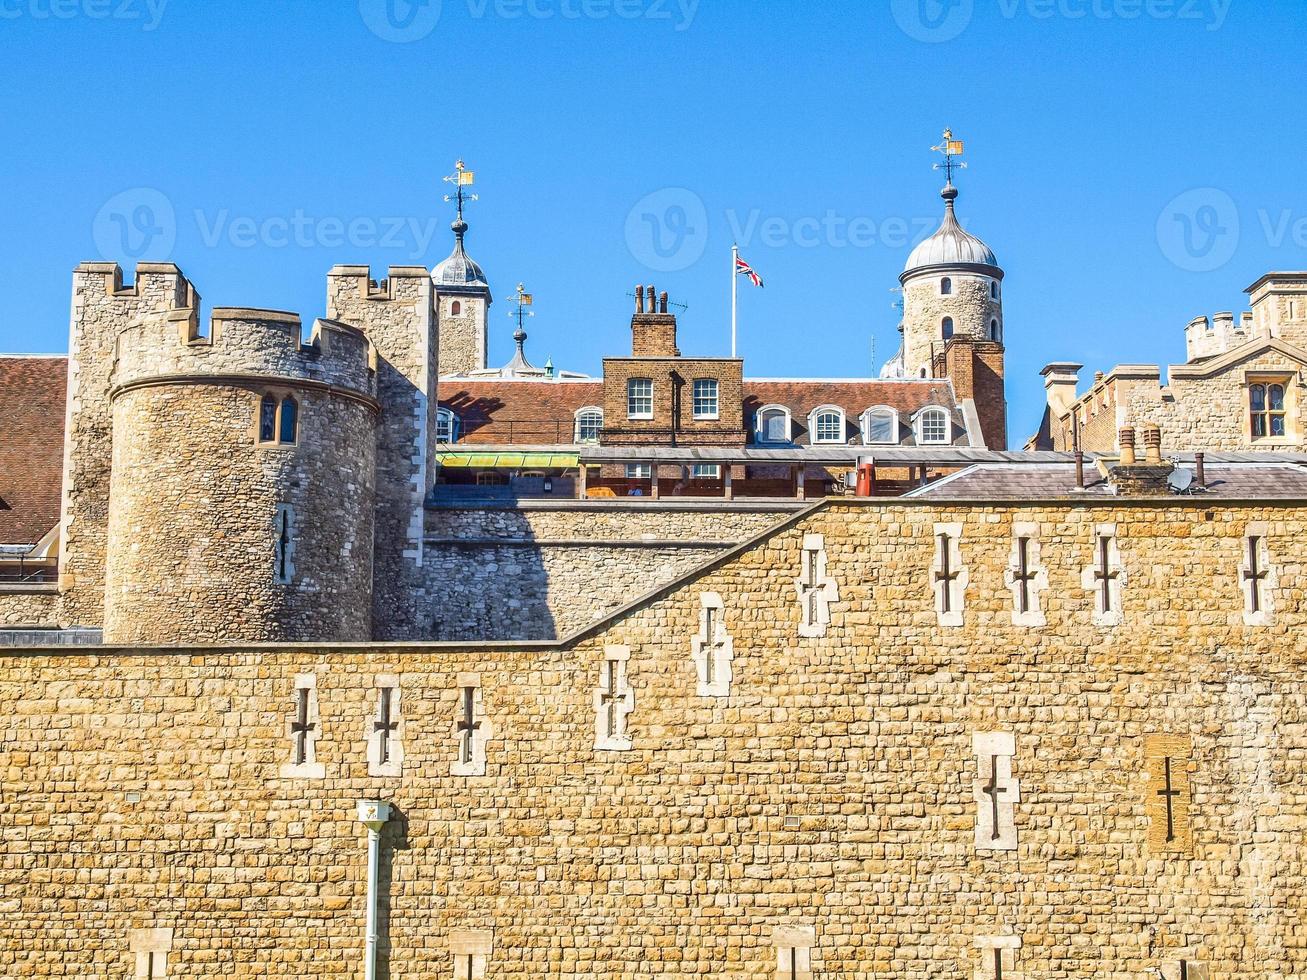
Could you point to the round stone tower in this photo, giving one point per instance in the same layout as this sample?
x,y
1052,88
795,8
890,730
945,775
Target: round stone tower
x,y
242,489
952,287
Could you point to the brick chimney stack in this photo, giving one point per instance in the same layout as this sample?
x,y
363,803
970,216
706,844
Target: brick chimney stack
x,y
653,329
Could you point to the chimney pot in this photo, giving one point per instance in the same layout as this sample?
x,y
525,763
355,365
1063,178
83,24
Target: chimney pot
x,y
662,302
1152,444
1127,446
639,299
652,297
1200,472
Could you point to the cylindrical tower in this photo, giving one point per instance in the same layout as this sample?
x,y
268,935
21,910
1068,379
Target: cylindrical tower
x,y
242,490
952,287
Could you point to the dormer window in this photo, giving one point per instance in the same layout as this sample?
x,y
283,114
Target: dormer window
x,y
946,286
933,428
589,422
447,426
947,328
772,424
827,425
278,420
880,426
639,398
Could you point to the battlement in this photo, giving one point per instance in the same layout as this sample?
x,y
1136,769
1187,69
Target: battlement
x,y
356,280
1211,336
245,343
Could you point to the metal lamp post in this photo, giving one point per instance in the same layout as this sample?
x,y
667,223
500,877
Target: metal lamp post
x,y
373,814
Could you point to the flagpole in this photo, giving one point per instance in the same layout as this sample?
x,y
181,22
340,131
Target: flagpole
x,y
735,293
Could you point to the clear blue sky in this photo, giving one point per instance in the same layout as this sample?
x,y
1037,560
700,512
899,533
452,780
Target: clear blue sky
x,y
1086,121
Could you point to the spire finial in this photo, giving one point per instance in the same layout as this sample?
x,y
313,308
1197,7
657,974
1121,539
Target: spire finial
x,y
461,178
522,300
950,148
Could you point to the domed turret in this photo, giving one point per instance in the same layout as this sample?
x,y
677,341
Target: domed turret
x,y
951,245
458,269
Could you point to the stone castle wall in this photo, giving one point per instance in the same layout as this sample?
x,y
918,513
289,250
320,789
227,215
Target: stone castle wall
x,y
462,337
540,574
829,802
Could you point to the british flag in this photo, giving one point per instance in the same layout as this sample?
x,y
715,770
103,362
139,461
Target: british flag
x,y
743,268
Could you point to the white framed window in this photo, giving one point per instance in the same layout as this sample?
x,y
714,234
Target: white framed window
x,y
827,424
706,402
639,398
705,471
772,424
946,329
933,427
589,422
880,426
946,286
447,426
639,471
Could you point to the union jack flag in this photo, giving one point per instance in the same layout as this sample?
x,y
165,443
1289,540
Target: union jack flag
x,y
743,268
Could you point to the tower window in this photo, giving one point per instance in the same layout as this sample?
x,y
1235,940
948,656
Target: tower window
x,y
639,398
284,546
946,286
993,290
1266,406
993,329
278,420
456,308
948,327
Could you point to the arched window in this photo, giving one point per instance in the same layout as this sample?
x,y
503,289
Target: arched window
x,y
946,286
456,308
826,424
290,420
933,428
948,327
772,424
278,420
1266,404
993,329
993,289
880,426
268,419
589,422
447,426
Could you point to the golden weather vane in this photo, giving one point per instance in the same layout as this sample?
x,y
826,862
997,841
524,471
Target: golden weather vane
x,y
951,148
461,178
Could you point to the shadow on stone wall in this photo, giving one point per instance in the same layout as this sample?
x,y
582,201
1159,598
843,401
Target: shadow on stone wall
x,y
394,837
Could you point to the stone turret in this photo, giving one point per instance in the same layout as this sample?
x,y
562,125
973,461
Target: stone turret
x,y
242,491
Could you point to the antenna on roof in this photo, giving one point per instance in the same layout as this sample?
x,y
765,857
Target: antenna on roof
x,y
676,306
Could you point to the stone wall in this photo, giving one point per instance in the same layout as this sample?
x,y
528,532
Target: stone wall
x,y
462,336
29,608
829,802
542,573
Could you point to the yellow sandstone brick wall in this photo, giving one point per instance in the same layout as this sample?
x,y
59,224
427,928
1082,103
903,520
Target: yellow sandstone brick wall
x,y
829,794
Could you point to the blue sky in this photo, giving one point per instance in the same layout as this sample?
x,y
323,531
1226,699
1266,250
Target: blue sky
x,y
1134,163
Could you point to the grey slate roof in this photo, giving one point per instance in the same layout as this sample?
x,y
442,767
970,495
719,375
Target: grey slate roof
x,y
1259,481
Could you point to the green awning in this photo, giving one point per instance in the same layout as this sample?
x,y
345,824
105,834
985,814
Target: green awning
x,y
471,459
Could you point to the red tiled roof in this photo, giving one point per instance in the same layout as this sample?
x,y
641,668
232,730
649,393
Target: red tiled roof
x,y
32,396
505,412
